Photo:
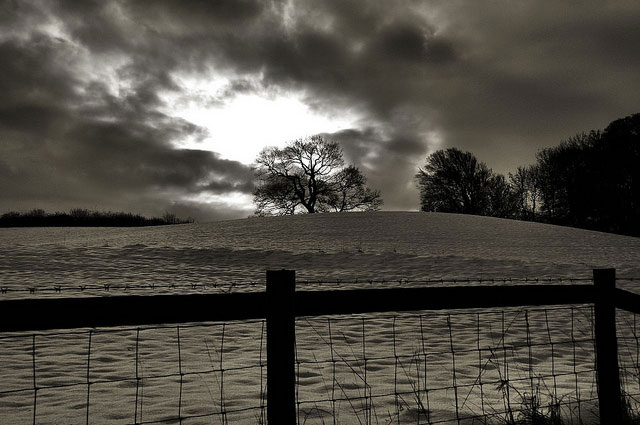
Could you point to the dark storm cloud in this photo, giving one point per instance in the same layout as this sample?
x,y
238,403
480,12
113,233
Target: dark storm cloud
x,y
501,79
388,161
65,143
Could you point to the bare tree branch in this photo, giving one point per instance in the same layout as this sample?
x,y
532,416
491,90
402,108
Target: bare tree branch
x,y
308,175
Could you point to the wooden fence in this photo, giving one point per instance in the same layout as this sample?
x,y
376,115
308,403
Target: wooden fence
x,y
281,304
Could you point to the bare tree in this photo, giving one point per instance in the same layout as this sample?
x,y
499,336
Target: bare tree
x,y
308,175
525,183
349,192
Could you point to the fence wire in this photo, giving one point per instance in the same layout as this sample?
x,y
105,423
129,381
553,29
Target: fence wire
x,y
20,291
628,325
458,367
192,373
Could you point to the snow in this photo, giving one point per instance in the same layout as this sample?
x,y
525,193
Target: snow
x,y
389,246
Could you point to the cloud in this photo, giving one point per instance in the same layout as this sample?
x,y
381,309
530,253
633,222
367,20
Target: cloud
x,y
83,82
67,142
388,162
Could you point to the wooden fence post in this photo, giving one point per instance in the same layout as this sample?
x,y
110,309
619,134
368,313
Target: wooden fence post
x,y
281,408
609,395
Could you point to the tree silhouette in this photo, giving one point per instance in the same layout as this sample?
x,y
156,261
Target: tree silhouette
x,y
455,181
525,184
592,180
349,192
503,201
566,180
308,175
618,175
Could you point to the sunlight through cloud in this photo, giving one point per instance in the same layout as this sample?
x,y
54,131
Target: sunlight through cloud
x,y
241,124
233,200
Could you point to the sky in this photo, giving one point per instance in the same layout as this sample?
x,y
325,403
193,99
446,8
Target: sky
x,y
163,106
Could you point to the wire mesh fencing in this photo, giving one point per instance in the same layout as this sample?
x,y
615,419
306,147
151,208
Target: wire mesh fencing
x,y
628,326
474,366
457,367
192,373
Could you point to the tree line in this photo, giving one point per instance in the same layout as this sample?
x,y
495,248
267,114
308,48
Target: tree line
x,y
79,217
590,180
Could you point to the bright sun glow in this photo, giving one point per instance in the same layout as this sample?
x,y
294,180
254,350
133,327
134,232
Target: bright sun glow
x,y
233,200
241,126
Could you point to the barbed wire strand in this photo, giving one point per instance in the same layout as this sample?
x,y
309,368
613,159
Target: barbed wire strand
x,y
234,286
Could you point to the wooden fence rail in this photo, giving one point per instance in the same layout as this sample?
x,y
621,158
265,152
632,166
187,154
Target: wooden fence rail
x,y
281,304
